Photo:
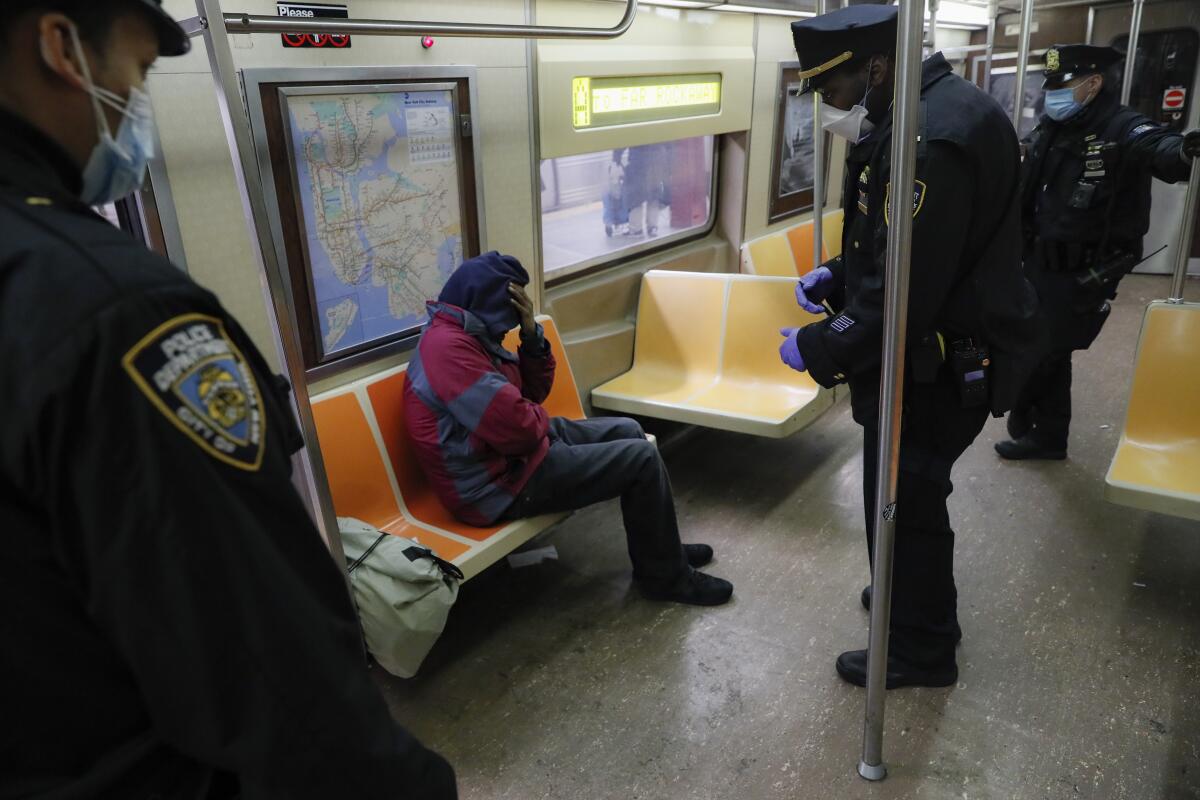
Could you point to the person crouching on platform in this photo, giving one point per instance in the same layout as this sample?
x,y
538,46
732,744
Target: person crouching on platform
x,y
493,454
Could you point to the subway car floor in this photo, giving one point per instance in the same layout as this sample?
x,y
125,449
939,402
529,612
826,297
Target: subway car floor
x,y
1079,666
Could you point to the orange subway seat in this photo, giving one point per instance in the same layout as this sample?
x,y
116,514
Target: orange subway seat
x,y
387,400
358,481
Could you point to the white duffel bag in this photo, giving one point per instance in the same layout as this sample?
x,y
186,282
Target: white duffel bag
x,y
403,591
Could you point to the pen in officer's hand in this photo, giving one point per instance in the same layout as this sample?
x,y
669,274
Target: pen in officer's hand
x,y
828,310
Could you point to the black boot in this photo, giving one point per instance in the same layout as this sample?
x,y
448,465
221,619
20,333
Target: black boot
x,y
865,599
852,666
1019,424
1027,447
698,554
693,588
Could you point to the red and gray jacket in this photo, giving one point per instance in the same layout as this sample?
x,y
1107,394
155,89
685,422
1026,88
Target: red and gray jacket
x,y
473,413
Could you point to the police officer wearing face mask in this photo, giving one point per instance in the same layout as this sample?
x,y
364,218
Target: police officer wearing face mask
x,y
970,315
1086,206
172,624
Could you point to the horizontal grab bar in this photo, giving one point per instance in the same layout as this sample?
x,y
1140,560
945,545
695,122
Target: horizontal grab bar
x,y
251,23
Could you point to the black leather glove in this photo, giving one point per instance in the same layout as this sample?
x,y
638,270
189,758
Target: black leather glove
x,y
1191,143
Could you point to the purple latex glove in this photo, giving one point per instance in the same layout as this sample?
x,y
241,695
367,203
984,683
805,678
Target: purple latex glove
x,y
789,353
813,288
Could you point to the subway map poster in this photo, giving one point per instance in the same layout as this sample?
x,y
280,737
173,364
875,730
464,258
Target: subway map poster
x,y
379,189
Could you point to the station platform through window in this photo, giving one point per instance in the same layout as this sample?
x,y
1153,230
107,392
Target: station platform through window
x,y
599,207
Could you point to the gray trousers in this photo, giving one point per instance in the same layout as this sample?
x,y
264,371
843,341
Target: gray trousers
x,y
599,459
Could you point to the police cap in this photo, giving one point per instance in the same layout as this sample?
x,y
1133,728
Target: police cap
x,y
172,41
1067,61
847,35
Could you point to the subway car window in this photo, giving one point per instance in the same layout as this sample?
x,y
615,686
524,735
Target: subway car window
x,y
600,207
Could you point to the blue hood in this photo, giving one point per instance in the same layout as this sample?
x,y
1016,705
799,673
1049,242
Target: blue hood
x,y
480,286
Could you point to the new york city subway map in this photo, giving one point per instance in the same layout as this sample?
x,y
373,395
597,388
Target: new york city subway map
x,y
378,180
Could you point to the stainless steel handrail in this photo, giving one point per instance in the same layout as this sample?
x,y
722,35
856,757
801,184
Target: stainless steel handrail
x,y
818,173
1183,249
1135,31
909,37
253,23
1022,58
993,15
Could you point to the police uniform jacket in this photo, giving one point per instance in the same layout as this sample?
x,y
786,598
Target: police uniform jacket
x,y
172,624
1092,172
965,277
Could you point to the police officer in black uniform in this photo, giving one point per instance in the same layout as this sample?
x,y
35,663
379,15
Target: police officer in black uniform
x,y
1085,205
172,624
970,312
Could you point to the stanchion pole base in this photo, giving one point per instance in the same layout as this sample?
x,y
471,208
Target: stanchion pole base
x,y
872,773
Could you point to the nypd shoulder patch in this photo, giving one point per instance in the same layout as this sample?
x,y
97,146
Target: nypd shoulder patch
x,y
1143,128
195,375
918,201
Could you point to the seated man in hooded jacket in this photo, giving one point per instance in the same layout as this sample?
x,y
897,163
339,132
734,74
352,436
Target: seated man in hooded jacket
x,y
492,453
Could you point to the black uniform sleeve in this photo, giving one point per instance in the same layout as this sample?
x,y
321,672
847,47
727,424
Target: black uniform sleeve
x,y
1158,149
161,456
837,298
851,342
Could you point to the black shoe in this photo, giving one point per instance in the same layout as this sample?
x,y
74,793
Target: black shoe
x,y
852,666
698,554
1029,448
865,599
1019,424
694,588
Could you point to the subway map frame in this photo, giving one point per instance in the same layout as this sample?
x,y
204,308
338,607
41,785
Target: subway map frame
x,y
372,181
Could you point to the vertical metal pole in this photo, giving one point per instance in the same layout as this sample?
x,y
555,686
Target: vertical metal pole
x,y
245,167
535,164
818,172
993,13
1135,30
1022,58
1091,25
1183,249
891,390
933,12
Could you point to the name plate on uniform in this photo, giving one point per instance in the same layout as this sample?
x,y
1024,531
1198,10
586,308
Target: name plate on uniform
x,y
605,102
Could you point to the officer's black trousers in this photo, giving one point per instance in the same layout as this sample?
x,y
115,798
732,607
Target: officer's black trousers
x,y
936,431
1075,315
1044,407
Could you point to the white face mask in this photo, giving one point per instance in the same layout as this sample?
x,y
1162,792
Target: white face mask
x,y
851,125
117,165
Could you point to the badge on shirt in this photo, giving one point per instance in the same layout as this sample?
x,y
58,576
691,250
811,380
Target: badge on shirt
x,y
195,375
918,201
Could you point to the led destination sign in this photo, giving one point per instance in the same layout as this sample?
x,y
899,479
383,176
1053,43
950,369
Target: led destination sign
x,y
603,102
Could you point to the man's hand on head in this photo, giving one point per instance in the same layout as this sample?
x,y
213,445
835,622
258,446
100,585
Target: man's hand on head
x,y
524,306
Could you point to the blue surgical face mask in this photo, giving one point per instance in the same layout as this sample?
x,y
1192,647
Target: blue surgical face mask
x,y
1061,104
117,165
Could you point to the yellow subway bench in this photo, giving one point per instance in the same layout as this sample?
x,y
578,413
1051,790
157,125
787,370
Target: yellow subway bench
x,y
789,253
1157,463
706,353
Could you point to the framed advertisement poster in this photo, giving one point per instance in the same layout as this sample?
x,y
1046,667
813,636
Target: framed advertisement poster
x,y
792,165
371,183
